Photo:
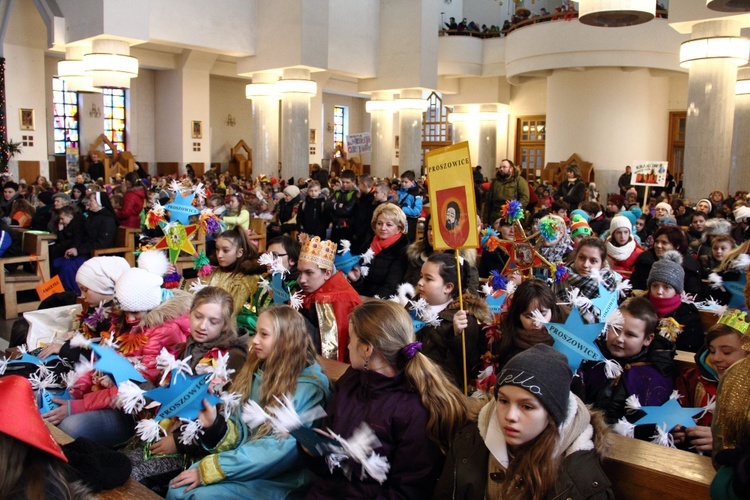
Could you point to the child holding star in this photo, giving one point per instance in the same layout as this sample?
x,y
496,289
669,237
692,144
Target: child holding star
x,y
255,463
639,363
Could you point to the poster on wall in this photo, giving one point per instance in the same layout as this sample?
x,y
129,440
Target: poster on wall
x,y
453,206
71,162
649,173
358,143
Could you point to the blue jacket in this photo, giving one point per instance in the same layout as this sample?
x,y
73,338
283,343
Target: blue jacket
x,y
410,202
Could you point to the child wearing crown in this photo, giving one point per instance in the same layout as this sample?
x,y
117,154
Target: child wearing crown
x,y
328,298
697,384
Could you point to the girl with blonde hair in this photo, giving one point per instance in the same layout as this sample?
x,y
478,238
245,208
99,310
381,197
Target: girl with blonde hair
x,y
412,407
254,463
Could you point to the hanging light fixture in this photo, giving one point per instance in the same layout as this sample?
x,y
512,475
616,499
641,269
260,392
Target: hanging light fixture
x,y
70,70
729,5
293,86
733,48
110,65
259,90
616,13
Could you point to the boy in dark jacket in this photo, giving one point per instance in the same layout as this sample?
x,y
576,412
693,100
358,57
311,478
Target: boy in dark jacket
x,y
363,232
646,359
410,202
341,207
312,216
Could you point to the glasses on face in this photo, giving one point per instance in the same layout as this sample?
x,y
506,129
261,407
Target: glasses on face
x,y
276,255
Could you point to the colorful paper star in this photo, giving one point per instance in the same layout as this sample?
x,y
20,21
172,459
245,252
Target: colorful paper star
x,y
346,262
279,290
522,255
28,358
496,301
115,365
579,345
181,209
183,397
670,414
177,239
737,291
606,302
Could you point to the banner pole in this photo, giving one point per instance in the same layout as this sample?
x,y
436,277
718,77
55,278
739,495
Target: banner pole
x,y
463,331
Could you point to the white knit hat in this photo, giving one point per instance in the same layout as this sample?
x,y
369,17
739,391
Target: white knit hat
x,y
666,206
139,289
619,221
99,274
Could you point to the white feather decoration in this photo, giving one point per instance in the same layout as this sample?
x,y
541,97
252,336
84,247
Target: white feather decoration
x,y
200,191
164,360
3,364
266,259
510,287
344,246
675,395
264,285
662,437
612,369
149,430
296,300
487,289
538,318
284,418
79,340
364,271
711,305
359,447
231,401
175,186
190,431
632,403
84,365
624,428
710,407
253,415
368,256
197,286
578,300
740,263
623,287
157,208
42,380
110,342
715,281
616,320
130,397
23,349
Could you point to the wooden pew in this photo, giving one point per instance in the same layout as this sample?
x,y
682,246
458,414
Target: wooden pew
x,y
124,245
645,471
35,246
131,489
332,368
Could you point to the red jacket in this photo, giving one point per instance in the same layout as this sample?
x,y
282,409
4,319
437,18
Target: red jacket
x,y
132,205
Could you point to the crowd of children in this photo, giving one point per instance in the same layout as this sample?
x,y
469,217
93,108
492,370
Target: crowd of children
x,y
338,248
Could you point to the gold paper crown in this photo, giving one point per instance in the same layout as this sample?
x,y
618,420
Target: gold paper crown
x,y
319,252
736,319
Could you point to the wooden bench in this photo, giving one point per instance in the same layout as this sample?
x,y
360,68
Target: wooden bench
x,y
131,489
258,227
643,470
124,245
332,368
35,246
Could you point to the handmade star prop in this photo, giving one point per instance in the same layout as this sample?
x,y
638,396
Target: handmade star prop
x,y
279,290
28,358
737,291
183,397
415,321
496,300
670,414
115,365
181,209
346,261
606,302
177,239
579,345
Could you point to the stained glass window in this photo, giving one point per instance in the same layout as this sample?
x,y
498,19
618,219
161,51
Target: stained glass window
x,y
339,116
114,118
65,116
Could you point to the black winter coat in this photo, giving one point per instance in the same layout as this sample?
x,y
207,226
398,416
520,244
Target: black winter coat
x,y
644,262
692,336
386,272
572,194
363,232
312,218
101,232
71,236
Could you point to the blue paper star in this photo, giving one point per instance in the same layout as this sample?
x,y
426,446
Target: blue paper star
x,y
417,323
670,413
181,209
44,401
115,365
606,302
280,293
737,291
28,358
183,397
345,262
579,345
496,303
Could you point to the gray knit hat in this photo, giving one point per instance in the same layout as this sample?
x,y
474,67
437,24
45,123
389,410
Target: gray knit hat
x,y
669,270
545,373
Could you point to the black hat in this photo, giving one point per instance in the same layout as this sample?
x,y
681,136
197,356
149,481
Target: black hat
x,y
545,373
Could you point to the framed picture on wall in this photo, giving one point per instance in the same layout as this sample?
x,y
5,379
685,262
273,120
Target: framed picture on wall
x,y
313,136
197,130
26,118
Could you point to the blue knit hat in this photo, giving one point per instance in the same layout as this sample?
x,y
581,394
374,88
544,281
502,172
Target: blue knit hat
x,y
582,213
631,216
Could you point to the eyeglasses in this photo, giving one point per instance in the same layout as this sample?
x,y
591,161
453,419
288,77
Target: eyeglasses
x,y
276,255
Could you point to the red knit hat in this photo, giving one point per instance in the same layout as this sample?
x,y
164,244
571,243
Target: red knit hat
x,y
26,424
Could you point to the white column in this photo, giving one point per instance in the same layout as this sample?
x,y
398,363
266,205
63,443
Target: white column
x,y
710,116
739,177
411,107
264,138
487,156
295,88
381,119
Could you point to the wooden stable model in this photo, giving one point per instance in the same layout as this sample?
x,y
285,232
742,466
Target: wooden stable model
x,y
118,162
554,173
241,164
